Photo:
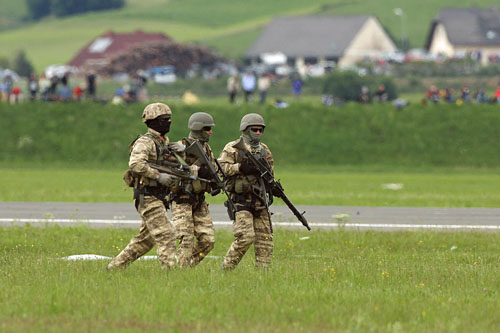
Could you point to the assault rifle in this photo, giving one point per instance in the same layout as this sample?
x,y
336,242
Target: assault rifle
x,y
195,149
176,169
273,186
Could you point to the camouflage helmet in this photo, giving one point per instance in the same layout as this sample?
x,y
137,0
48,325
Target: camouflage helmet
x,y
154,110
199,120
251,119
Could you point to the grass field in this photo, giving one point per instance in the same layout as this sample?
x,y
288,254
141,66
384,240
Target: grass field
x,y
304,186
229,26
331,281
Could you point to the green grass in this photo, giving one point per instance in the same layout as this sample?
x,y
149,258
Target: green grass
x,y
12,13
230,26
306,133
333,281
304,186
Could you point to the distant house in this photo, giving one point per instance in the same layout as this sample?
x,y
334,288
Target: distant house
x,y
99,51
458,32
315,39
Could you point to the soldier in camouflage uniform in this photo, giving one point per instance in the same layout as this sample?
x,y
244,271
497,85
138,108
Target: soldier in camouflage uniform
x,y
150,190
190,214
251,224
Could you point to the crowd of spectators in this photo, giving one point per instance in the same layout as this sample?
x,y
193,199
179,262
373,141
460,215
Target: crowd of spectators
x,y
57,87
49,88
249,84
465,95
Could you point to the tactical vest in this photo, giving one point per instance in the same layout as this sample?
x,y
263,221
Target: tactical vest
x,y
187,187
245,184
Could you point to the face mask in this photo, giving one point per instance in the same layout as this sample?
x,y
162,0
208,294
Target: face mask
x,y
161,125
252,138
202,135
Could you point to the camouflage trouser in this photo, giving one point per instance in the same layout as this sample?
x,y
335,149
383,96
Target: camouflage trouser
x,y
189,224
155,229
249,230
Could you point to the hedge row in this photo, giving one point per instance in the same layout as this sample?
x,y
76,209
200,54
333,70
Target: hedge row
x,y
432,135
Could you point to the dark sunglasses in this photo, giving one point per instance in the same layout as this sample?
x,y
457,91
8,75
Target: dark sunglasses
x,y
207,128
164,118
257,129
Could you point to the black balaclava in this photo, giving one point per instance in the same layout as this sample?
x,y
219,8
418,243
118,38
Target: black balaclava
x,y
160,124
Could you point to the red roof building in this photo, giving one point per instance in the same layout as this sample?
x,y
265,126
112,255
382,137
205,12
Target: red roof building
x,y
98,52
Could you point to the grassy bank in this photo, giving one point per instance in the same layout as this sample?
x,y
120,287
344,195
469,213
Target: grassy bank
x,y
331,281
303,134
304,186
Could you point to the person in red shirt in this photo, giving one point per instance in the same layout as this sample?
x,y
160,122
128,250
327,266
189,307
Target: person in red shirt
x,y
16,91
77,93
496,96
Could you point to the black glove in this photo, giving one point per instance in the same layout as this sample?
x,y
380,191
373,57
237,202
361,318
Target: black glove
x,y
248,169
204,173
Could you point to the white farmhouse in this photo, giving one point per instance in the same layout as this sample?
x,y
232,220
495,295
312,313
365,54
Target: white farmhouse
x,y
459,32
345,40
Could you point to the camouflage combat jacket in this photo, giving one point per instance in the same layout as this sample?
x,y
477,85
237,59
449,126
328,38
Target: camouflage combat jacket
x,y
145,150
230,160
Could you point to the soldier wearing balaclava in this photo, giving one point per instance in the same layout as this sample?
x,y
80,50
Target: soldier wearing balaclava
x,y
251,219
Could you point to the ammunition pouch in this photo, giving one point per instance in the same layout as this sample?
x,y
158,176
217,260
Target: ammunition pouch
x,y
241,186
246,202
245,184
198,186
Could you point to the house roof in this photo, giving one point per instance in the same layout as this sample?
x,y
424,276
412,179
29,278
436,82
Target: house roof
x,y
469,26
308,36
111,43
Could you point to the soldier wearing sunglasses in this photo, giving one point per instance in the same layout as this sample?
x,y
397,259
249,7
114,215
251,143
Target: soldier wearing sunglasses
x,y
251,219
190,214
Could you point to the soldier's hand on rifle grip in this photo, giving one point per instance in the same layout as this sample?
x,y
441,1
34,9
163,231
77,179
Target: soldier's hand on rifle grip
x,y
203,172
247,168
166,180
177,147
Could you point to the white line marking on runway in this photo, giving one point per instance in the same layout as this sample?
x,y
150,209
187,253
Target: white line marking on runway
x,y
281,224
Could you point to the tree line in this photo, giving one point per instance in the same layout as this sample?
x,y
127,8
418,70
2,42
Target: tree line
x,y
38,9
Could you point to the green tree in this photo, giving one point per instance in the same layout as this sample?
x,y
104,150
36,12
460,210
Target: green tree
x,y
72,7
22,65
38,8
4,62
105,4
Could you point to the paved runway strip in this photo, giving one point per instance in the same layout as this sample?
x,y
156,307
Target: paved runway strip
x,y
109,215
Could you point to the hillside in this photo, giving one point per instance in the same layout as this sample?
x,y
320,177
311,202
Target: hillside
x,y
227,25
